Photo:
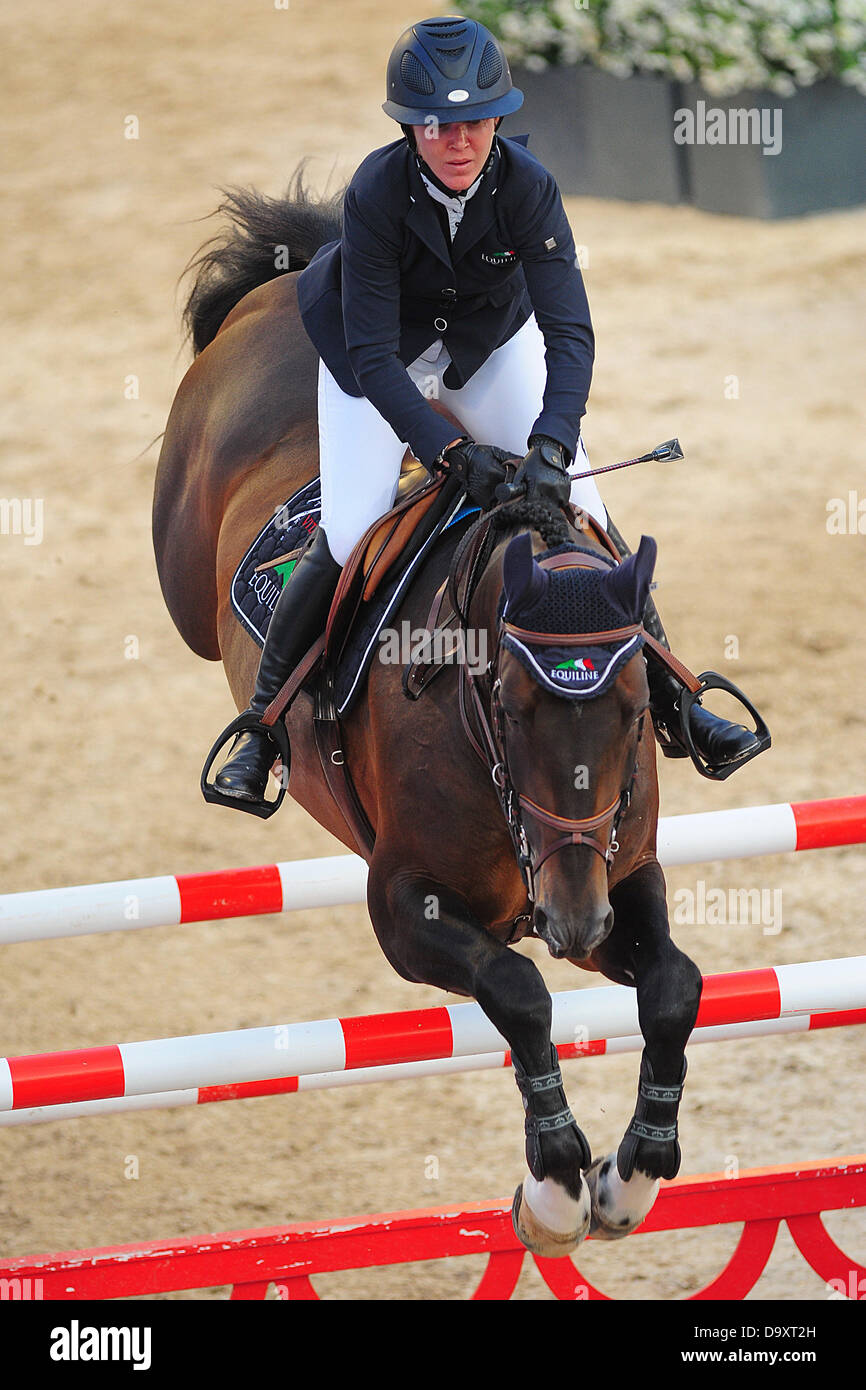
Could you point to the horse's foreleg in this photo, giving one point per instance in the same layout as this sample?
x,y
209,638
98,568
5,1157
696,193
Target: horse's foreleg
x,y
430,936
640,951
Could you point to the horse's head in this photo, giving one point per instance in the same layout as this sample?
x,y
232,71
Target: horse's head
x,y
569,701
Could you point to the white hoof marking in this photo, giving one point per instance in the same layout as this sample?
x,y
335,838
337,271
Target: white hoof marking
x,y
554,1208
618,1207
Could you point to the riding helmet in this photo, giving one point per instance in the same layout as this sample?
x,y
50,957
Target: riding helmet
x,y
448,69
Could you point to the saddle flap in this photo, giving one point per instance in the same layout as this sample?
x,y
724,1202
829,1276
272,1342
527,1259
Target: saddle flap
x,y
389,542
357,569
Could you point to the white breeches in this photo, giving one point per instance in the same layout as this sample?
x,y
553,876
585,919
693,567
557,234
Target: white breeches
x,y
360,455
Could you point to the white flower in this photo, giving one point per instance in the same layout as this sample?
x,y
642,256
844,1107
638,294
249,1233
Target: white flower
x,y
681,68
728,45
781,85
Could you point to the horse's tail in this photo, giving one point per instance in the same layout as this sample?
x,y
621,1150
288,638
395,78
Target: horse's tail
x,y
267,238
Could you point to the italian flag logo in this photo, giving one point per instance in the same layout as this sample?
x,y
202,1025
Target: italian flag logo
x,y
582,663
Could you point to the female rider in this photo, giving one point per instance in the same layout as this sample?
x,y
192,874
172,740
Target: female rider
x,y
455,277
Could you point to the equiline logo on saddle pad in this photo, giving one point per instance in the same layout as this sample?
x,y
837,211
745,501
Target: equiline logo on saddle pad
x,y
263,571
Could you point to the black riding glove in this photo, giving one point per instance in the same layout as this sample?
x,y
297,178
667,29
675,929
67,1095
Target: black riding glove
x,y
542,474
480,467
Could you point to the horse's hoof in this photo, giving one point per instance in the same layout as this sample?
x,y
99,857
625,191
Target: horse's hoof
x,y
538,1238
618,1208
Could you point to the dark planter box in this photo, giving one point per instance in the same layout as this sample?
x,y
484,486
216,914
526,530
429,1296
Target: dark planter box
x,y
821,163
602,136
613,137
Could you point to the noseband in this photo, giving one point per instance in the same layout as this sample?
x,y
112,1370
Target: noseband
x,y
514,802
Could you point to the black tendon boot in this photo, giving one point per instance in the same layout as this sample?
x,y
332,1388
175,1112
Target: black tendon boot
x,y
298,619
721,742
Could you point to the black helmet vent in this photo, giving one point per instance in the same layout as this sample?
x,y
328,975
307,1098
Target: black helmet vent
x,y
490,67
455,30
416,76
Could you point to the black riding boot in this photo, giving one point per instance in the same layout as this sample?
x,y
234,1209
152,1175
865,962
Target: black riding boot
x,y
719,740
298,619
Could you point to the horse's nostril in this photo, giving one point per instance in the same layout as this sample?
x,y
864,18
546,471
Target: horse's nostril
x,y
602,930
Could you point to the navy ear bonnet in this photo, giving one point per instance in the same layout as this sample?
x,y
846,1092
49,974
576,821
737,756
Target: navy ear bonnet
x,y
574,602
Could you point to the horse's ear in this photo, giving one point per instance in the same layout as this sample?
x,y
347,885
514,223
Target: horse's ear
x,y
524,581
629,584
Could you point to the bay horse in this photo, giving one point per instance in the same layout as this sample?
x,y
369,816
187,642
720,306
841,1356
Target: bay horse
x,y
453,882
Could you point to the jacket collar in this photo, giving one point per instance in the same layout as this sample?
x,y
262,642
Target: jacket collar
x,y
479,214
425,222
422,216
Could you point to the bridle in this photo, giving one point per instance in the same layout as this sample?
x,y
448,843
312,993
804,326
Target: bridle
x,y
492,747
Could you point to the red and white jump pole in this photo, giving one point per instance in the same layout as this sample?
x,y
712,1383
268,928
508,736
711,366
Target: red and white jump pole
x,y
172,900
297,1050
412,1071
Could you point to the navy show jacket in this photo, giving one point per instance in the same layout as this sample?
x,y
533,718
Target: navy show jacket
x,y
377,298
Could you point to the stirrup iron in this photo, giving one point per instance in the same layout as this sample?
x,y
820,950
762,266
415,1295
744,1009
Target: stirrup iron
x,y
711,680
278,735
